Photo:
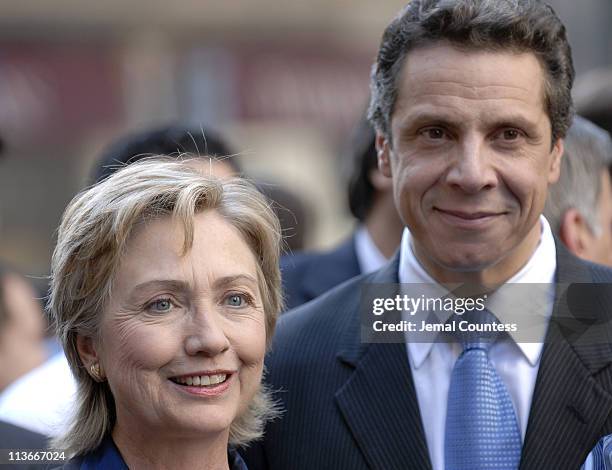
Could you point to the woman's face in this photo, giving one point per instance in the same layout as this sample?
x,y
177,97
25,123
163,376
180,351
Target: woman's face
x,y
183,338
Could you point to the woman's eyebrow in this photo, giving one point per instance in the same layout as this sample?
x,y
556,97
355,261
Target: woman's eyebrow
x,y
235,279
154,284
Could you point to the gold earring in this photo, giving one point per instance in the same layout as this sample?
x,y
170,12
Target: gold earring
x,y
95,372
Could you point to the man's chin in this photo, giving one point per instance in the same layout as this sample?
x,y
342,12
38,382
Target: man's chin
x,y
467,262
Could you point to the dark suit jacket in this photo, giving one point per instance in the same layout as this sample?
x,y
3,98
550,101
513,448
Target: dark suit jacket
x,y
308,275
353,406
14,438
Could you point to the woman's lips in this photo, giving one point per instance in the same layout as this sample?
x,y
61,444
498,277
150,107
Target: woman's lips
x,y
205,384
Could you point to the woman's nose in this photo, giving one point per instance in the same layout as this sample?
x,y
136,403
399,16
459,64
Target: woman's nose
x,y
206,334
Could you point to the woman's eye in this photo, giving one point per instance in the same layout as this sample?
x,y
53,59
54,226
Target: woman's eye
x,y
160,305
236,300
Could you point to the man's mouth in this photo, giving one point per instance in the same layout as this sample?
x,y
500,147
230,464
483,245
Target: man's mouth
x,y
471,215
468,220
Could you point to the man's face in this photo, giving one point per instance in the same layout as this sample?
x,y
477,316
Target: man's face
x,y
471,160
598,245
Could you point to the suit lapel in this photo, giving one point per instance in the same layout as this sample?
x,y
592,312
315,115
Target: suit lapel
x,y
380,407
378,401
569,406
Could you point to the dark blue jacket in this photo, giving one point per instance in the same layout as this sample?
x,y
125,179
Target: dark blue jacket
x,y
107,457
307,275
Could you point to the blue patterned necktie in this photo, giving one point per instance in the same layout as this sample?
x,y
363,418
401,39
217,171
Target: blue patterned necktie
x,y
481,427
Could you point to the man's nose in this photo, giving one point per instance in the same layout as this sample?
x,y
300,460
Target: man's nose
x,y
206,333
471,168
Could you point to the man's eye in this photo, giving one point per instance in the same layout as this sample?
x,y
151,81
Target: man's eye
x,y
160,305
511,134
433,133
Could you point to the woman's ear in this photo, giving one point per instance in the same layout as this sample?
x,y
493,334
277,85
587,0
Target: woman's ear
x,y
89,357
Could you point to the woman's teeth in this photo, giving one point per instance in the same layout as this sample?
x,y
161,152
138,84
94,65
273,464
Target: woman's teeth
x,y
201,380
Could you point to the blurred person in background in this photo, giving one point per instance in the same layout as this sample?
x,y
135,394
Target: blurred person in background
x,y
165,290
579,205
22,329
22,325
307,275
171,140
22,351
36,388
177,139
593,97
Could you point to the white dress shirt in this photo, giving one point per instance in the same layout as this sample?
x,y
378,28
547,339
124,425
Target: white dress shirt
x,y
369,256
516,362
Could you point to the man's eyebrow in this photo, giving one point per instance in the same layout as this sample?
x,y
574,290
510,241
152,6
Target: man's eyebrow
x,y
421,118
513,120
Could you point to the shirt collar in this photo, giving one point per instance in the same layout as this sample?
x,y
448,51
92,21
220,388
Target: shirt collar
x,y
369,256
539,269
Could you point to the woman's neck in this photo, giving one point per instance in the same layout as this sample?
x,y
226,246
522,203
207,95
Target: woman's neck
x,y
144,449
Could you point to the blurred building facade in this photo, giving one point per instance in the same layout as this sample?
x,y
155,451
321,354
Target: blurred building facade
x,y
284,81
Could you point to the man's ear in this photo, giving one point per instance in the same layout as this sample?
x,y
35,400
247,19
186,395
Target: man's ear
x,y
574,232
380,182
555,164
383,152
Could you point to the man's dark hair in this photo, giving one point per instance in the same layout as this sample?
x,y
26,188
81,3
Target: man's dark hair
x,y
492,25
168,140
360,159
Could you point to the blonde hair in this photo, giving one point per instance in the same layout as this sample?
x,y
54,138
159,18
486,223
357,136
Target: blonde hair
x,y
91,240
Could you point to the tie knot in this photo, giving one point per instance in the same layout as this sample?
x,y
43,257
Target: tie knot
x,y
476,329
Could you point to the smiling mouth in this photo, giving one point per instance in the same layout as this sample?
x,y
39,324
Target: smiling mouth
x,y
468,215
477,220
205,381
